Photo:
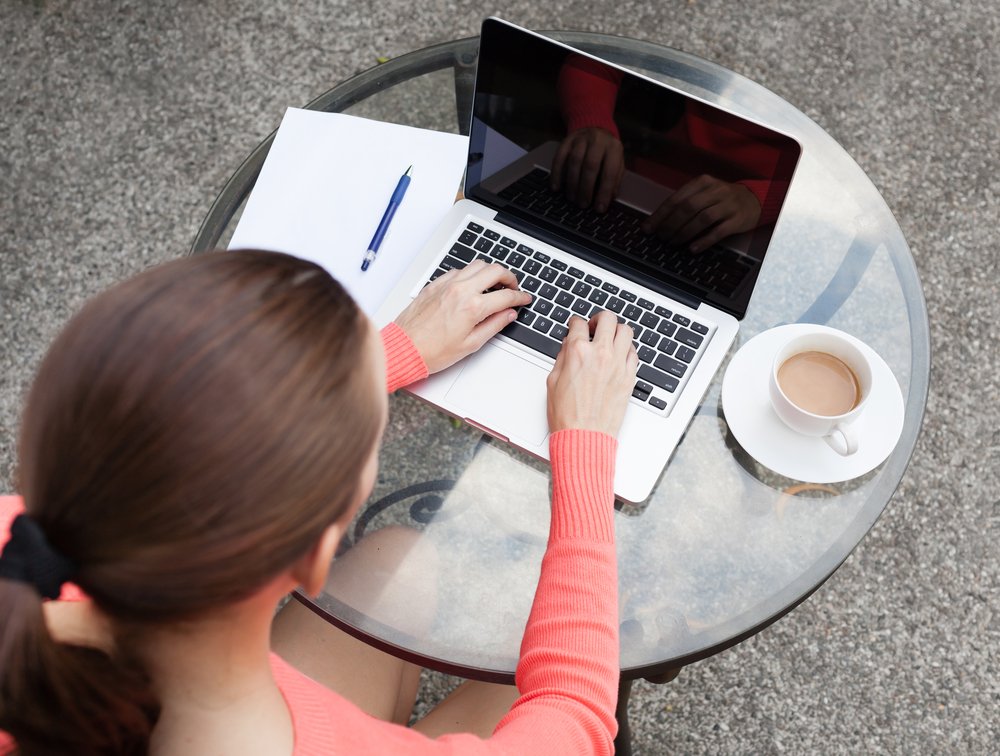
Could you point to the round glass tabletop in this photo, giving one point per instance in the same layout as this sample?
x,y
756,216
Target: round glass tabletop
x,y
456,527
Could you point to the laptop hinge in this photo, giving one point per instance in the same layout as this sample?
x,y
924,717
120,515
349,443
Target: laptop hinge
x,y
575,248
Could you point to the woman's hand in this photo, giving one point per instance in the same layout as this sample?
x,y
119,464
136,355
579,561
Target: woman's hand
x,y
704,211
456,314
592,379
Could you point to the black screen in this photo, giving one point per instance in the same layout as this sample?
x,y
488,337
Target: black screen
x,y
652,183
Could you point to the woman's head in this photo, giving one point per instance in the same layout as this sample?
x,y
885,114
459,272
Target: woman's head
x,y
194,430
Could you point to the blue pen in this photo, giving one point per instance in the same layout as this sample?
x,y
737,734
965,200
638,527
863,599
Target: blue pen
x,y
383,226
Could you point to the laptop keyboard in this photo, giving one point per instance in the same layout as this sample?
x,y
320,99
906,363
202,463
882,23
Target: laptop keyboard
x,y
716,268
668,342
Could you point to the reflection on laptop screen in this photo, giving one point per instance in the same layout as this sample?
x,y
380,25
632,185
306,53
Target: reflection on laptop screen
x,y
638,174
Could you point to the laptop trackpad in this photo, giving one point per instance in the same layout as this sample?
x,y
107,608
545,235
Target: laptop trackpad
x,y
503,393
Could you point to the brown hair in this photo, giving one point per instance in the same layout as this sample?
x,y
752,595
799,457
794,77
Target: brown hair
x,y
190,434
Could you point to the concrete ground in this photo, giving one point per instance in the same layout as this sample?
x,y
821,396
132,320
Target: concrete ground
x,y
120,121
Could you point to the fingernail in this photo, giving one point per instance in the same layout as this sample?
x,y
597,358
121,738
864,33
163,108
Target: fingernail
x,y
510,316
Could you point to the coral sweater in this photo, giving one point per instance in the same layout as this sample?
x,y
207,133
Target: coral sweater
x,y
568,670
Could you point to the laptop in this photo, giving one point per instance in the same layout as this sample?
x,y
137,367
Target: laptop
x,y
698,175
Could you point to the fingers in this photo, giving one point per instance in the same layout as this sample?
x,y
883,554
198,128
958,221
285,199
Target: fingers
x,y
604,325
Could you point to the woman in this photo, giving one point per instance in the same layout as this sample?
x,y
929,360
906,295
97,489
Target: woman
x,y
194,445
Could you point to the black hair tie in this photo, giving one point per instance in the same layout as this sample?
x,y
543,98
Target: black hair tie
x,y
29,558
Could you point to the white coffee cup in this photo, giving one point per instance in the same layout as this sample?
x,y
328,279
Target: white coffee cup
x,y
811,351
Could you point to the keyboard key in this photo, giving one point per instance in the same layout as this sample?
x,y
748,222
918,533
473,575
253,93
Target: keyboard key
x,y
670,365
559,332
581,307
475,227
699,328
689,338
540,256
560,315
655,401
548,274
610,288
681,320
462,252
542,325
564,282
542,306
636,329
548,291
484,258
663,312
645,304
615,305
451,263
491,234
483,245
650,338
558,265
593,280
598,297
508,242
685,354
524,315
530,284
667,328
646,354
565,299
499,251
643,386
640,394
581,289
628,296
515,259
632,312
654,376
436,274
576,272
532,339
649,320
531,267
667,345
468,238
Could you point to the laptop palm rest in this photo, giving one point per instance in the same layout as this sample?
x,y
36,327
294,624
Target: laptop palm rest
x,y
502,393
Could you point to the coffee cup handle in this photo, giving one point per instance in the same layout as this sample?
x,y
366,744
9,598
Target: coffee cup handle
x,y
843,439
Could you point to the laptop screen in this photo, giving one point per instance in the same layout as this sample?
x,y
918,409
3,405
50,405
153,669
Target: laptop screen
x,y
632,174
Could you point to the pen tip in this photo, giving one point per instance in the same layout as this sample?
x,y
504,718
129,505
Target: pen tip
x,y
409,170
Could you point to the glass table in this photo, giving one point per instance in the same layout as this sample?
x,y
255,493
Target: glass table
x,y
723,547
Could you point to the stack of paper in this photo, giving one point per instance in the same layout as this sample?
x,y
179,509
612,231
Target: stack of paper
x,y
325,185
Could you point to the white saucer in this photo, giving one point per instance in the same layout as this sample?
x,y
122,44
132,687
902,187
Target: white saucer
x,y
767,439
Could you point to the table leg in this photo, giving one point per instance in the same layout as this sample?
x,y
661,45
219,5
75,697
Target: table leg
x,y
623,740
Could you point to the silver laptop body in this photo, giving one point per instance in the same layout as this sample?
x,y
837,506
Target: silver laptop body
x,y
685,317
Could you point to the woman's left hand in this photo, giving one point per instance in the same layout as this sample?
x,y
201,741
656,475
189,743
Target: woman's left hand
x,y
454,315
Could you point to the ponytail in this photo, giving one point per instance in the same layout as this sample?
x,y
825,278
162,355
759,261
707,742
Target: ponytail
x,y
58,698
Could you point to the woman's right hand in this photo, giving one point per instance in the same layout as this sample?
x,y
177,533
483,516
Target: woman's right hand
x,y
592,379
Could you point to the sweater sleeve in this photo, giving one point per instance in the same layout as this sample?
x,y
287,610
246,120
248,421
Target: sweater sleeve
x,y
588,91
568,670
403,363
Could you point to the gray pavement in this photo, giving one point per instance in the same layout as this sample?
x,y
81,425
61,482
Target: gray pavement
x,y
120,121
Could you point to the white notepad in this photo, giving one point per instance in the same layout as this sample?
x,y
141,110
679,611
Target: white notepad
x,y
326,182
